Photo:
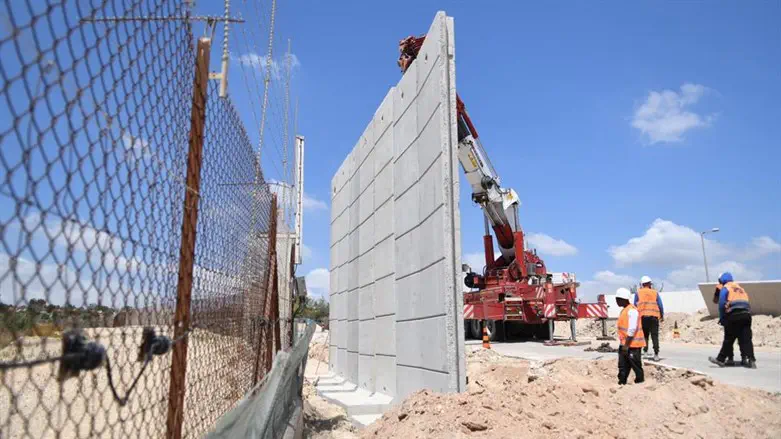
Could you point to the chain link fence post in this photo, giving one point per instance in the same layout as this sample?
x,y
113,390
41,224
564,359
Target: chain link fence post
x,y
187,250
265,346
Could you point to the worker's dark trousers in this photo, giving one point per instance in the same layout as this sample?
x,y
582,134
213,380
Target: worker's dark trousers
x,y
651,331
630,361
737,326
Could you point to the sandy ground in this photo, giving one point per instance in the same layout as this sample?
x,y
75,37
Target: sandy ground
x,y
33,404
509,398
322,420
697,328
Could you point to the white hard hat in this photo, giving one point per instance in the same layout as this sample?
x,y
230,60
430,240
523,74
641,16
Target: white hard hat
x,y
645,280
623,293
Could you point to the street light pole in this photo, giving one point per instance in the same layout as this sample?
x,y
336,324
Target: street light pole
x,y
704,256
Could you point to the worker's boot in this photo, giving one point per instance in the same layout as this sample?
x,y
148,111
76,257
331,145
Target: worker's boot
x,y
729,362
718,362
656,357
750,364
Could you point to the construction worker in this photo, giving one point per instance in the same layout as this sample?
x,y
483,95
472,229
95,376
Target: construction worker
x,y
649,303
631,339
735,316
730,360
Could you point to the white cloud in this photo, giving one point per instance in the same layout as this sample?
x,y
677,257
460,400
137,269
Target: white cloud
x,y
550,246
283,190
604,282
318,282
688,277
665,244
312,203
136,148
664,116
278,66
761,247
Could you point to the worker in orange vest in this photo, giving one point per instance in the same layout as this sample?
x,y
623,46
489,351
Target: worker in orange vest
x,y
631,339
730,360
735,316
649,303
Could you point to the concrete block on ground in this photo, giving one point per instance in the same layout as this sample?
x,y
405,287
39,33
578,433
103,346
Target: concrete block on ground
x,y
400,267
764,295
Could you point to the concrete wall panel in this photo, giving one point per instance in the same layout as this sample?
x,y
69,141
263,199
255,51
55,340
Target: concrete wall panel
x,y
764,295
352,336
385,367
415,379
352,367
395,236
385,296
385,335
366,371
366,302
421,343
414,293
366,337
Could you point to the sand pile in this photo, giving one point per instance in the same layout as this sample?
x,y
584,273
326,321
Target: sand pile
x,y
318,347
696,328
578,398
322,420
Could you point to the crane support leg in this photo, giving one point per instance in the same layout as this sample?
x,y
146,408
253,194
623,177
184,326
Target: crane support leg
x,y
488,247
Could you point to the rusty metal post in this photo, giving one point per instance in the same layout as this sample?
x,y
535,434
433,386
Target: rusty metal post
x,y
187,248
262,359
290,279
275,308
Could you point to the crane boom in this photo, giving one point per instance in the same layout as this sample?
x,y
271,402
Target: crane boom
x,y
499,205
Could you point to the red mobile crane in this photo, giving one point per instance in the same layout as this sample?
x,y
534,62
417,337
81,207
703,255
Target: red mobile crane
x,y
514,289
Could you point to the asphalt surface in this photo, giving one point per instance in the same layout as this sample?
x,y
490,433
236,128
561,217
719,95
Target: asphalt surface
x,y
767,376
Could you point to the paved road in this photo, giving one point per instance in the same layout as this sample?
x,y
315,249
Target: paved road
x,y
767,376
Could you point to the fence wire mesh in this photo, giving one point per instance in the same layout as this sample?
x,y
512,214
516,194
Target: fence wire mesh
x,y
95,125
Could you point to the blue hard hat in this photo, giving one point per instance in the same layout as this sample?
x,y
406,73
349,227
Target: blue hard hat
x,y
725,277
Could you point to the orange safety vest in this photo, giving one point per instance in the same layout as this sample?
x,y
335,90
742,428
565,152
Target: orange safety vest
x,y
737,298
623,325
646,303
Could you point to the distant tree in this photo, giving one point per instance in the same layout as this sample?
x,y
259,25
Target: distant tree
x,y
315,309
37,305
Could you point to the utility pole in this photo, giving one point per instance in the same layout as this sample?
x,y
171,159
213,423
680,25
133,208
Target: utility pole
x,y
704,257
266,80
299,198
286,127
225,54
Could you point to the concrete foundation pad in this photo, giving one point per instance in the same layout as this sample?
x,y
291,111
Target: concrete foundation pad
x,y
344,387
362,407
361,421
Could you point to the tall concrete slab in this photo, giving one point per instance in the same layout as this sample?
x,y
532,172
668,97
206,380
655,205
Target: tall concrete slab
x,y
396,299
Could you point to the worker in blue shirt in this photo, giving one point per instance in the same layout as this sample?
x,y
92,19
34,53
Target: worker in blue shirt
x,y
735,316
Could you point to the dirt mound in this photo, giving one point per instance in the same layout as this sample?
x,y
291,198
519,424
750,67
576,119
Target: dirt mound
x,y
694,328
318,347
323,420
579,398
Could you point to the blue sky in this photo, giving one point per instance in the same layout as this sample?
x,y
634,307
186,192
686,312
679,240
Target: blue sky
x,y
625,129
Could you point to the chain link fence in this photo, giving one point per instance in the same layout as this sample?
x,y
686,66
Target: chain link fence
x,y
138,265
